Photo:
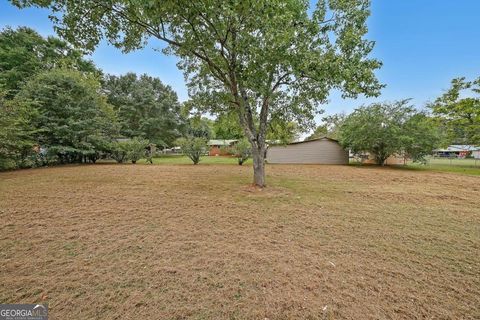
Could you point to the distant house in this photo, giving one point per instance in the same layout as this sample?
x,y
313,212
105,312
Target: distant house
x,y
456,151
317,151
174,150
476,153
220,147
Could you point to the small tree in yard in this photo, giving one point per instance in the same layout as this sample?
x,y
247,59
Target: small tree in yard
x,y
257,59
193,147
242,150
136,148
119,151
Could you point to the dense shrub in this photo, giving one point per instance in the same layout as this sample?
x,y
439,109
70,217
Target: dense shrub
x,y
193,148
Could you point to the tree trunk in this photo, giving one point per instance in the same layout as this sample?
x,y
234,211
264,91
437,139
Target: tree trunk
x,y
381,161
258,155
256,136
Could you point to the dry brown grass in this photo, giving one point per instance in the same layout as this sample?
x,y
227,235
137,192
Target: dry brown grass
x,y
195,242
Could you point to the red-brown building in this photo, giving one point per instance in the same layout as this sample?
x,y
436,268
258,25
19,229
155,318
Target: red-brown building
x,y
220,147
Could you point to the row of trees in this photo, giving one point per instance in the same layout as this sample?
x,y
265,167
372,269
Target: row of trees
x,y
57,107
386,129
260,60
268,63
196,147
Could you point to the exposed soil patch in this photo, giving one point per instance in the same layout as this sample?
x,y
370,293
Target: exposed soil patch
x,y
197,242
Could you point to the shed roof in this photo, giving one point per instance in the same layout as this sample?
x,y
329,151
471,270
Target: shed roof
x,y
311,140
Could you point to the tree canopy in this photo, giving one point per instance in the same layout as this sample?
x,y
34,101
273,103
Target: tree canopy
x,y
24,53
460,116
16,134
386,129
145,106
55,106
226,126
330,127
259,58
72,120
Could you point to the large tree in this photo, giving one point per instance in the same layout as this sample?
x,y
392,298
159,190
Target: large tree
x,y
226,126
259,57
73,121
386,129
24,53
460,116
16,132
330,127
146,107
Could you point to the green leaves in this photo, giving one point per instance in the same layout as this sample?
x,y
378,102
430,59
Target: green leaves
x,y
193,147
72,119
128,149
145,106
257,58
242,150
384,129
16,132
267,49
460,116
24,53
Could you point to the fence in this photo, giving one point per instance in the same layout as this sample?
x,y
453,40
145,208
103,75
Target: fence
x,y
454,161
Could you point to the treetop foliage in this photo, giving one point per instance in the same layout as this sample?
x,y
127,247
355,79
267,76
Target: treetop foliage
x,y
460,116
145,106
24,53
386,129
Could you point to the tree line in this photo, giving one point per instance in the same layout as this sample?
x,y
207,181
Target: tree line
x,y
268,64
265,61
57,107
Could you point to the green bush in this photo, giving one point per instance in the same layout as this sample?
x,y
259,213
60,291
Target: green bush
x,y
193,148
118,151
242,150
136,149
125,150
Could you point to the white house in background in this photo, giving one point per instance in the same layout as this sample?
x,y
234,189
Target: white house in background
x,y
456,150
476,153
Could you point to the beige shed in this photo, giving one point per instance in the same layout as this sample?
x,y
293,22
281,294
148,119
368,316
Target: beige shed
x,y
316,151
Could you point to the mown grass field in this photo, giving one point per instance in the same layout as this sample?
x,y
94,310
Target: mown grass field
x,y
459,166
175,241
181,159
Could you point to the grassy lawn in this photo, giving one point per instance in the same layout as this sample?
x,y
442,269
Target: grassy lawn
x,y
196,242
181,159
462,166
